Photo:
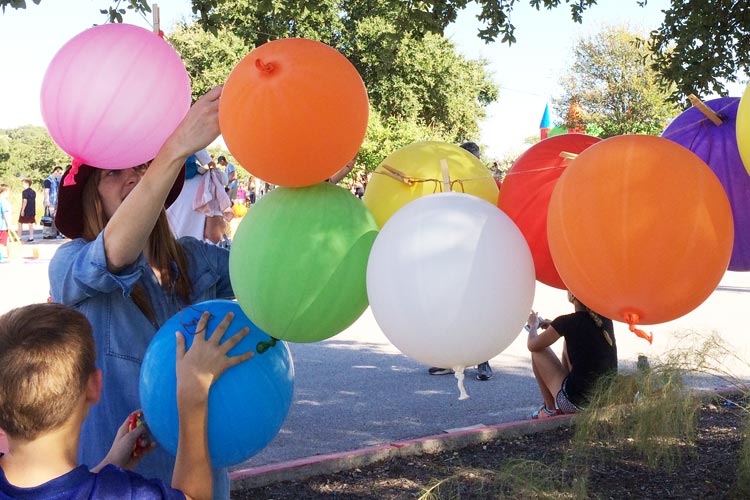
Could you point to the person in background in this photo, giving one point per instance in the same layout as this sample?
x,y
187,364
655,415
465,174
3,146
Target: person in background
x,y
4,221
50,187
27,214
589,353
184,220
241,195
484,370
231,172
44,404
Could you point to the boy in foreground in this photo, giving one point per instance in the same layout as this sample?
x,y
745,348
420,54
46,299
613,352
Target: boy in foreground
x,y
48,381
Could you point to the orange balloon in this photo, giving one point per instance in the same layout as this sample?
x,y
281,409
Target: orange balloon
x,y
640,229
293,112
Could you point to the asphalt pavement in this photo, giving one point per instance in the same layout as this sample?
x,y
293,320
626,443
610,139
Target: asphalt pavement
x,y
356,390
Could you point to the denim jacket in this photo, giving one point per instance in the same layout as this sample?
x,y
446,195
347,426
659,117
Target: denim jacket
x,y
79,278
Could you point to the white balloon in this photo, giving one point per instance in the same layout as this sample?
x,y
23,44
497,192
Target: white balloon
x,y
450,280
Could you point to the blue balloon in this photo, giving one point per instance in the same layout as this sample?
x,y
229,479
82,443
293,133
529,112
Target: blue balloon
x,y
246,406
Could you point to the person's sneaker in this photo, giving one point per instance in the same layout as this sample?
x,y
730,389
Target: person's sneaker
x,y
484,371
439,371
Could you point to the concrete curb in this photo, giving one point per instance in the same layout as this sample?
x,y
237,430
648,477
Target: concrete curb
x,y
304,468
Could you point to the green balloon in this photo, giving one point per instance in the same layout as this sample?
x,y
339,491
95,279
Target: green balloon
x,y
298,261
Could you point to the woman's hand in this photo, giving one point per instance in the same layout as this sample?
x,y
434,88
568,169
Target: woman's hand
x,y
199,127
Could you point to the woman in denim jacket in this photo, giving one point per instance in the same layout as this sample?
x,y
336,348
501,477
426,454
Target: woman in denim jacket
x,y
127,273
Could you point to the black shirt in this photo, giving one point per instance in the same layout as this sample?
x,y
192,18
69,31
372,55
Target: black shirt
x,y
588,350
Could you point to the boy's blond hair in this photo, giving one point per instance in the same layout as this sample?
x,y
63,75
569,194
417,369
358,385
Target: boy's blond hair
x,y
47,355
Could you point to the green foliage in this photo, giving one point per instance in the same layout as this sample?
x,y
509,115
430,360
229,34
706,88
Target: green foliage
x,y
652,412
517,478
29,151
701,43
385,136
695,54
618,91
208,57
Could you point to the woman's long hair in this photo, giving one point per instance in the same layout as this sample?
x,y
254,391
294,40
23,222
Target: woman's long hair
x,y
163,248
597,320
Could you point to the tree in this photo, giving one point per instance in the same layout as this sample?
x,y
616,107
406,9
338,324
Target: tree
x,y
616,87
29,151
208,57
410,79
690,52
700,44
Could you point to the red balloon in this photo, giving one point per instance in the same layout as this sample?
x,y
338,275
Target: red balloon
x,y
526,191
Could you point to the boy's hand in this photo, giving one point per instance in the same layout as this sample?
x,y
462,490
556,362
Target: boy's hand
x,y
121,453
200,366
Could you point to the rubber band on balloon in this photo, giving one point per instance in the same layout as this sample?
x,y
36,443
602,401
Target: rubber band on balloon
x,y
70,179
631,319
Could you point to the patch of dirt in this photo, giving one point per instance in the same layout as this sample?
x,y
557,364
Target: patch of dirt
x,y
707,470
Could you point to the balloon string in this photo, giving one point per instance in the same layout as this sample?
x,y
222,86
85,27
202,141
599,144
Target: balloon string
x,y
70,179
535,170
631,319
438,182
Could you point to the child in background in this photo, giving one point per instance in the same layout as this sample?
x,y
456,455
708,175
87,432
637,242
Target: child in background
x,y
27,215
48,381
241,194
4,221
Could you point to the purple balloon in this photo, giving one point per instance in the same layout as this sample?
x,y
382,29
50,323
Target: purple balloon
x,y
717,146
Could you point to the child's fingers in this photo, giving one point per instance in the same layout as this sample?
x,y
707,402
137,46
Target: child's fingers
x,y
180,345
234,340
202,326
123,429
221,329
240,358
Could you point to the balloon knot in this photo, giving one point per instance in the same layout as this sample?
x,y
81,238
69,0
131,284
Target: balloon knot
x,y
70,179
632,319
161,33
264,67
262,347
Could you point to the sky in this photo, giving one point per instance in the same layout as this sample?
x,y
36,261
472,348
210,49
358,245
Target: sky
x,y
527,72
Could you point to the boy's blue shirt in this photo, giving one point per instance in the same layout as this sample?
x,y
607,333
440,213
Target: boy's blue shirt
x,y
81,484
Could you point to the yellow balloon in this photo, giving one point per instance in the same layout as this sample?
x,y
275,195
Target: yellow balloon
x,y
743,128
421,162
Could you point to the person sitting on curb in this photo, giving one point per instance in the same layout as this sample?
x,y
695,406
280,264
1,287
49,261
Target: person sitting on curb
x,y
589,353
48,382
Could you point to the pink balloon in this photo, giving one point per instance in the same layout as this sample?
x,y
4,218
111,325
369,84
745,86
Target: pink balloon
x,y
113,94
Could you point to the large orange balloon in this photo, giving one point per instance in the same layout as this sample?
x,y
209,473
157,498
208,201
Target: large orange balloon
x,y
525,193
640,229
293,112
